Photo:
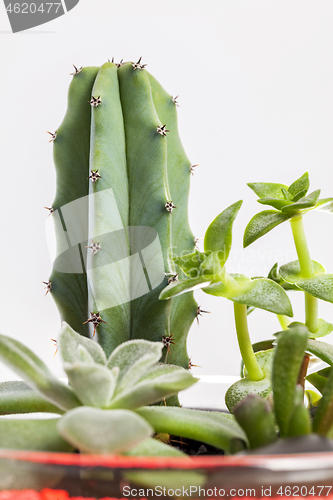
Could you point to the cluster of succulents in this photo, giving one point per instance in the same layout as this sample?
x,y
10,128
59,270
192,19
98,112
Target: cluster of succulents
x,y
123,278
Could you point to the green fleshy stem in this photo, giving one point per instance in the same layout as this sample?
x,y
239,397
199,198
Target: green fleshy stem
x,y
284,321
251,364
311,303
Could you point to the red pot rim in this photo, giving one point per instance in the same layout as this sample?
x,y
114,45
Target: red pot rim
x,y
275,462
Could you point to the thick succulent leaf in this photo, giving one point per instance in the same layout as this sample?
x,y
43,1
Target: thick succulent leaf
x,y
94,385
184,286
322,350
320,286
303,203
324,329
32,369
160,382
103,431
170,479
34,435
69,342
325,205
273,202
190,263
274,274
291,272
212,265
240,389
262,223
256,418
289,355
133,359
218,237
153,447
300,422
323,419
319,379
268,189
287,196
299,195
210,427
18,397
262,293
301,184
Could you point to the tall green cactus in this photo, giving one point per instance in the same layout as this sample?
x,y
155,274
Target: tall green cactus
x,y
120,163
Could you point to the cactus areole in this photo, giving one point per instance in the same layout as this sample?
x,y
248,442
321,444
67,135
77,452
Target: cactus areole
x,y
121,173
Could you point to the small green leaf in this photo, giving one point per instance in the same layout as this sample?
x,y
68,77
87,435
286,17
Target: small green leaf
x,y
268,189
32,435
300,422
273,202
261,292
323,418
301,194
240,389
319,379
320,286
32,369
210,427
287,196
288,358
133,359
18,397
261,224
212,265
103,431
274,275
322,350
291,272
325,205
94,384
254,414
324,329
299,185
184,286
303,203
218,237
69,342
160,382
152,447
190,263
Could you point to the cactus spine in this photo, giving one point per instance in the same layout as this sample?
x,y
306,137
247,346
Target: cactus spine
x,y
109,147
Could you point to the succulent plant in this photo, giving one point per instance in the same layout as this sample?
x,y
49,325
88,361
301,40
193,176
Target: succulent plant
x,y
121,173
104,407
273,371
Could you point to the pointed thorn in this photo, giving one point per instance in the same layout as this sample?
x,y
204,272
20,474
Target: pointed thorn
x,y
161,129
76,70
199,313
169,206
192,167
48,286
95,101
53,136
138,65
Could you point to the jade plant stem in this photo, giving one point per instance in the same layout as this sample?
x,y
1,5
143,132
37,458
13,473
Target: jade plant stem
x,y
284,321
311,303
251,364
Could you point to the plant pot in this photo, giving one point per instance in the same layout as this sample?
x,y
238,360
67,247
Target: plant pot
x,y
71,475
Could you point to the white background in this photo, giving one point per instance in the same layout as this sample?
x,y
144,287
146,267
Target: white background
x,y
255,82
